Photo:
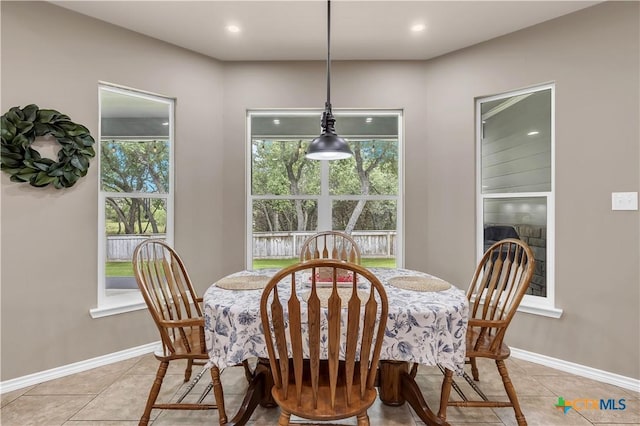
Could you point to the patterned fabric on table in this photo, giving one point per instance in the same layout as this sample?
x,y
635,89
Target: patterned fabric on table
x,y
424,327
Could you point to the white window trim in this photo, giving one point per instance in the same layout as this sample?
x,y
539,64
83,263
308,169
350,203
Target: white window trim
x,y
325,200
544,306
121,301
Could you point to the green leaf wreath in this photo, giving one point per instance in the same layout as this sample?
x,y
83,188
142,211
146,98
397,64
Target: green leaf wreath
x,y
20,127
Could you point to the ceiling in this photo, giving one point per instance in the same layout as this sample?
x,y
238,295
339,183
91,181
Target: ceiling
x,y
297,30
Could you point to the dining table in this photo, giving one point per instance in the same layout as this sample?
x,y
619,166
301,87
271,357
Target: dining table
x,y
426,325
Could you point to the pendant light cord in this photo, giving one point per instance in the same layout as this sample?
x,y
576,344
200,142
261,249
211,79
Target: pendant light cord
x,y
328,52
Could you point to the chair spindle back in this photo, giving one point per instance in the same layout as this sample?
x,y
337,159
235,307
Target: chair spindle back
x,y
294,354
330,245
498,286
167,291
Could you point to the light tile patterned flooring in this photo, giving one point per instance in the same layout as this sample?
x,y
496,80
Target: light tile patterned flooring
x,y
116,395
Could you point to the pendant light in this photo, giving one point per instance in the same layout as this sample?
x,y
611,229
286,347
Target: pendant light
x,y
328,146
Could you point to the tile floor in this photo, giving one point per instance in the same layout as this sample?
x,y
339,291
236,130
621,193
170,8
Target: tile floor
x,y
116,395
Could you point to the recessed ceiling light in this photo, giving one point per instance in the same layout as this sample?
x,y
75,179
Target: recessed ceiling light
x,y
418,28
533,133
368,120
233,28
276,121
166,123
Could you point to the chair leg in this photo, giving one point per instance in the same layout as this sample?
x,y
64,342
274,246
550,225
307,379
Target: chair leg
x,y
187,371
284,418
363,419
219,394
511,392
414,370
445,392
474,370
153,393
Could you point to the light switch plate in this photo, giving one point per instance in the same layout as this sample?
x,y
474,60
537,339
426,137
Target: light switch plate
x,y
624,201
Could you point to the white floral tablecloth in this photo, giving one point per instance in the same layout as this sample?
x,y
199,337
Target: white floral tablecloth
x,y
424,327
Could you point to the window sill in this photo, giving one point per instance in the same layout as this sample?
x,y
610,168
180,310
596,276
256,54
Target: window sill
x,y
542,310
118,303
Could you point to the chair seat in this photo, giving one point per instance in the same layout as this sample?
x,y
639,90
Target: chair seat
x,y
324,411
193,351
482,348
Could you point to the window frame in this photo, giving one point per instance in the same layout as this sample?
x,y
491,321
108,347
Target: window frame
x,y
325,199
538,305
114,302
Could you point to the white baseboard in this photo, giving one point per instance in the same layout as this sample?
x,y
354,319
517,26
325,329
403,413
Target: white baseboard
x,y
578,370
76,367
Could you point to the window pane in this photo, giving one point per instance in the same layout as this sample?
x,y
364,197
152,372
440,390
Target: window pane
x,y
523,218
374,231
367,215
516,143
135,165
129,221
279,229
284,215
285,126
366,126
373,169
130,115
280,174
279,167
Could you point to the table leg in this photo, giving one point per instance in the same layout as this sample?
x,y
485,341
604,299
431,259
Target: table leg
x,y
258,392
267,400
390,386
397,386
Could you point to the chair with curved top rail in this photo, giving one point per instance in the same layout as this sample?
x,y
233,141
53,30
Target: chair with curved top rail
x,y
176,311
499,283
330,245
319,372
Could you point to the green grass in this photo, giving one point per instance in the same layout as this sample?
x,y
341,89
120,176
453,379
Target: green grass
x,y
119,269
125,269
370,262
379,262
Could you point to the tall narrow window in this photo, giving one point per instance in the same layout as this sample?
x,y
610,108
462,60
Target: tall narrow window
x,y
136,190
516,182
291,197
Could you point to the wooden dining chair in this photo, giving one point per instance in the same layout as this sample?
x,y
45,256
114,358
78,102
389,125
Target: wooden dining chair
x,y
176,311
499,283
324,343
330,245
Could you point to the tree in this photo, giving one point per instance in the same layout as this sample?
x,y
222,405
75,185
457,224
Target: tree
x,y
280,168
135,167
375,164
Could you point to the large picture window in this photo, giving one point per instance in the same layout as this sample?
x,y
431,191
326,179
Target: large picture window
x,y
136,190
291,197
516,182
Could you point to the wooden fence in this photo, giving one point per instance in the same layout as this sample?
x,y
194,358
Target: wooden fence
x,y
269,245
121,247
282,245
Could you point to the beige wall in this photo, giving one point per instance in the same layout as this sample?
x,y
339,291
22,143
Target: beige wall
x,y
55,58
591,55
